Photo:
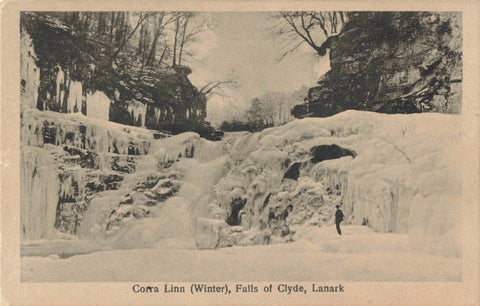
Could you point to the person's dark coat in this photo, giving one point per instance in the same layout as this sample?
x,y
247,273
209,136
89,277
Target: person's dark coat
x,y
338,216
338,219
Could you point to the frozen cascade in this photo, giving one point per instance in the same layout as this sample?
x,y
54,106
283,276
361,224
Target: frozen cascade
x,y
172,224
39,194
98,105
29,72
61,153
402,179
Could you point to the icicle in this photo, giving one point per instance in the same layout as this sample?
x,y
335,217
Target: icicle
x,y
138,111
117,94
72,185
92,68
74,102
158,114
59,83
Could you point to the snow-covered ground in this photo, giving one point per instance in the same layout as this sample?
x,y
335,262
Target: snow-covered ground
x,y
359,255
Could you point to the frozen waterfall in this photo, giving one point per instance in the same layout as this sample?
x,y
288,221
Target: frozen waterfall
x,y
401,180
39,194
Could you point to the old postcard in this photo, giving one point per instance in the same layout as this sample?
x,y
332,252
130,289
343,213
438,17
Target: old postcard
x,y
240,152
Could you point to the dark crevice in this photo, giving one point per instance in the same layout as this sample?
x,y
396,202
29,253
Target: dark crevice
x,y
326,152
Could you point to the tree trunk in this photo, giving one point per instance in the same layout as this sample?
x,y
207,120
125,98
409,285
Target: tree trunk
x,y
177,26
182,41
163,54
141,19
112,25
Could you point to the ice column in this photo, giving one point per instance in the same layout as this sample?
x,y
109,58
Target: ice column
x,y
138,111
58,83
98,105
39,194
74,102
29,72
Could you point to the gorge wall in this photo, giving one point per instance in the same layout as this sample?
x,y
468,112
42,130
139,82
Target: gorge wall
x,y
64,71
391,62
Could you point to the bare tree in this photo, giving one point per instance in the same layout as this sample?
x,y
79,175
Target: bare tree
x,y
187,26
215,87
123,42
299,27
161,22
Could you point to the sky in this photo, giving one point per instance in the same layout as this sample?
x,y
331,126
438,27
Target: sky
x,y
240,45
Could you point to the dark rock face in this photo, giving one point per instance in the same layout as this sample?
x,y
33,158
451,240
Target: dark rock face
x,y
391,62
293,172
236,206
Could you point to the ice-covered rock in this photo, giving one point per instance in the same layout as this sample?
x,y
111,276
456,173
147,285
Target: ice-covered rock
x,y
29,72
98,105
67,159
39,194
402,166
99,136
392,173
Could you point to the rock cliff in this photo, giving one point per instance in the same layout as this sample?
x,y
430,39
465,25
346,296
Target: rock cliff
x,y
391,62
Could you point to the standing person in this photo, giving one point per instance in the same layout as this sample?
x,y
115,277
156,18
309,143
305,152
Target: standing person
x,y
338,219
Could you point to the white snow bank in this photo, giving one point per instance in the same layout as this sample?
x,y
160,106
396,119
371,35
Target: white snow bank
x,y
359,255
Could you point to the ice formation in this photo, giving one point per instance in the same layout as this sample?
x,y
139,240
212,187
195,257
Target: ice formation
x,y
59,85
397,173
39,194
404,178
30,73
75,97
98,105
138,111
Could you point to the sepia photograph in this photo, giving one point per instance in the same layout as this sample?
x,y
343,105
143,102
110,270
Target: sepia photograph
x,y
171,146
192,151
